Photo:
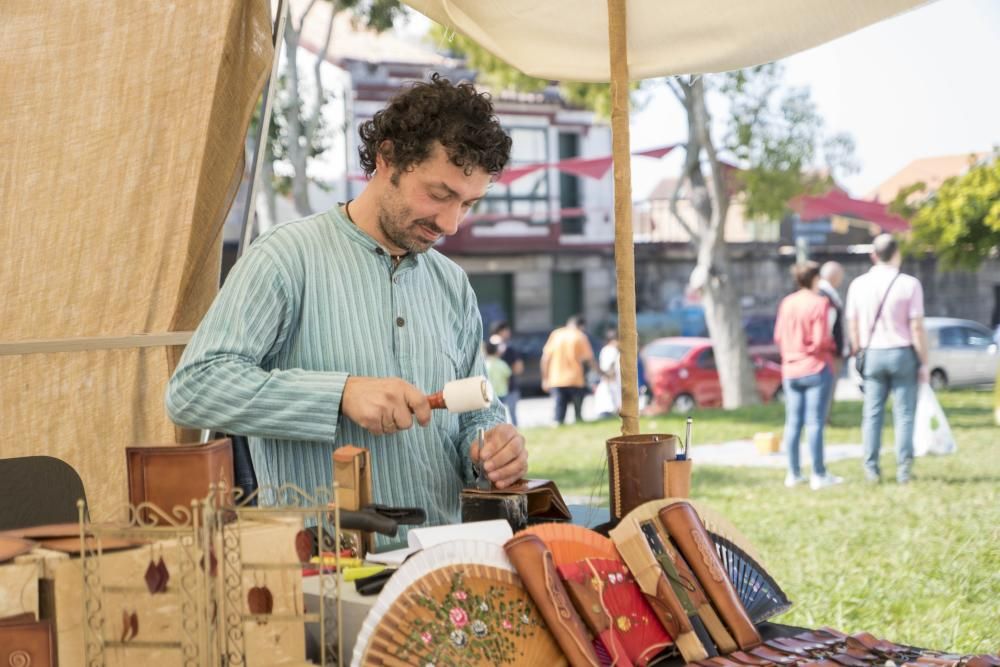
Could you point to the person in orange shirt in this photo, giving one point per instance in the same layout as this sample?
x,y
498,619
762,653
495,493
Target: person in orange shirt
x,y
563,372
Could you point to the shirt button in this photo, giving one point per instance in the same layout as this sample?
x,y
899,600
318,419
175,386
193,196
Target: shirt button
x,y
379,251
400,321
395,280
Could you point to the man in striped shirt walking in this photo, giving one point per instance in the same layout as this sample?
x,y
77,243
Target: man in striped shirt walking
x,y
331,330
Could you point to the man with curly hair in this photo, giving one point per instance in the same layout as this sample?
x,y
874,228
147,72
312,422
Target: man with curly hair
x,y
331,330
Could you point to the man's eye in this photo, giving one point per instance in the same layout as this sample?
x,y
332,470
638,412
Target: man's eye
x,y
441,198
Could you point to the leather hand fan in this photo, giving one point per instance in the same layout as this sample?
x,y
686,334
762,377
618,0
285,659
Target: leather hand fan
x,y
458,603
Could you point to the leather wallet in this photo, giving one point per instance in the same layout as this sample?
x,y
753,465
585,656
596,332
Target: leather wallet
x,y
25,641
635,469
175,475
544,502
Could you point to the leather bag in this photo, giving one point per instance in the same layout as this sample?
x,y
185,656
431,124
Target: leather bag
x,y
175,475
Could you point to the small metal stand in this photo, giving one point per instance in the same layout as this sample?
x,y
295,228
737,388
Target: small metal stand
x,y
215,613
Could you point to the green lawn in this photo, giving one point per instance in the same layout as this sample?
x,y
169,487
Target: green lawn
x,y
918,564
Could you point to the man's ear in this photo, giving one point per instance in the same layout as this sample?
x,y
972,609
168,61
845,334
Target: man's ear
x,y
383,158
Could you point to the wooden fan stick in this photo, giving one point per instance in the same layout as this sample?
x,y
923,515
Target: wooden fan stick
x,y
464,395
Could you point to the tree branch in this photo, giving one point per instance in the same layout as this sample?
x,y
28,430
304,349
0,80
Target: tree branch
x,y
719,186
312,122
675,89
685,174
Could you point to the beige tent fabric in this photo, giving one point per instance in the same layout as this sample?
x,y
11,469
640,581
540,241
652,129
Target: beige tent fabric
x,y
122,146
568,39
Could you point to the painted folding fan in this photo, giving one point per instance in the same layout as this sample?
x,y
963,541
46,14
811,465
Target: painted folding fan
x,y
570,543
458,603
756,589
631,627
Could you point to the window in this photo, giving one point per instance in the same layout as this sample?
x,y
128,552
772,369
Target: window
x,y
977,337
527,197
569,186
706,359
950,337
667,350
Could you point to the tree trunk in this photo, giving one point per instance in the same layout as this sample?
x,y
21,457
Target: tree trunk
x,y
298,143
725,327
710,277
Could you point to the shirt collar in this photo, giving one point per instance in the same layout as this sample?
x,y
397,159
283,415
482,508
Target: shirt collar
x,y
363,239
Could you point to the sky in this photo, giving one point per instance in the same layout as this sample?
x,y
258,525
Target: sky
x,y
922,84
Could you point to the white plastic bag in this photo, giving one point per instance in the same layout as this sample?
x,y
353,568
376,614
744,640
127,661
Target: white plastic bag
x,y
931,433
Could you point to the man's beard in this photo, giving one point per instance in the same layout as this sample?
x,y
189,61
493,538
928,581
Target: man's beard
x,y
405,235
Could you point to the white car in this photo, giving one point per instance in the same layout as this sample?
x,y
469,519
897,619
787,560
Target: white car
x,y
962,353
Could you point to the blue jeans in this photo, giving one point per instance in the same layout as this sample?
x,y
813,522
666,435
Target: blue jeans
x,y
806,402
896,369
510,400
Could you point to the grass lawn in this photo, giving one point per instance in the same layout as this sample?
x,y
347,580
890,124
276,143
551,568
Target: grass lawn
x,y
917,564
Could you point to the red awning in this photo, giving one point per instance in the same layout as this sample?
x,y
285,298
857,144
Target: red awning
x,y
837,202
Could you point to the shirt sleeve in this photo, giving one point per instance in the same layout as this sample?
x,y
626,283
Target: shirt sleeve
x,y
221,382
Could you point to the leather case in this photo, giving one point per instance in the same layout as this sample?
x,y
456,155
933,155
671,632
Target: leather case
x,y
174,475
526,502
688,532
534,564
352,471
635,469
25,641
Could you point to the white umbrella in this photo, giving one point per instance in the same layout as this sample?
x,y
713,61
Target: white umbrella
x,y
623,40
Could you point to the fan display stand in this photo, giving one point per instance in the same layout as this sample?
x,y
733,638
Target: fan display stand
x,y
214,586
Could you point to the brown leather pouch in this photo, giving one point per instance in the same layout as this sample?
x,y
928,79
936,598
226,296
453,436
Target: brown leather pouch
x,y
352,471
533,562
169,476
25,641
688,532
635,469
538,499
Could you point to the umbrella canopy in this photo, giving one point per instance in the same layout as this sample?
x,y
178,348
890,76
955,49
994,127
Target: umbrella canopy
x,y
567,40
622,40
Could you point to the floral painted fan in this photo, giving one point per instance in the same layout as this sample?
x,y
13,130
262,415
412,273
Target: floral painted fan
x,y
458,603
570,543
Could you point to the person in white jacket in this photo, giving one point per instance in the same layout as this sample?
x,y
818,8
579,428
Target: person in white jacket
x,y
608,395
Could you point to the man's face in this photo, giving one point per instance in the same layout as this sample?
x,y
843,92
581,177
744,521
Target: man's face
x,y
430,200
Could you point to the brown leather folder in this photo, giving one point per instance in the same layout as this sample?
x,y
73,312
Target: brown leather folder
x,y
25,641
635,469
175,475
543,500
534,564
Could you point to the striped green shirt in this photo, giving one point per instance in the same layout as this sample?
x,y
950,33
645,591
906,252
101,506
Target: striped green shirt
x,y
311,303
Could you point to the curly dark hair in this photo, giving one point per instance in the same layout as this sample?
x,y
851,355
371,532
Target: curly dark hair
x,y
453,114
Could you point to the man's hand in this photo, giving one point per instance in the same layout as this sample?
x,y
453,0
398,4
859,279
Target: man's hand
x,y
503,457
384,405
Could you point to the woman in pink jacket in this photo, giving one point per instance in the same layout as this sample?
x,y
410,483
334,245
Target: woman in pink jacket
x,y
805,339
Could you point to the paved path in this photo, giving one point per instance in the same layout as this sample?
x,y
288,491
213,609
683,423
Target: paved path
x,y
534,412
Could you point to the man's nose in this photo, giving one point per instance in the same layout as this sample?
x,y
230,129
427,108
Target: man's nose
x,y
450,218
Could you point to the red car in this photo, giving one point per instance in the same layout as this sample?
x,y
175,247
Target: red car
x,y
681,375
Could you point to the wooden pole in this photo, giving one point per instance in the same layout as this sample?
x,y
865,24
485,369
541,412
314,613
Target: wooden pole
x,y
624,242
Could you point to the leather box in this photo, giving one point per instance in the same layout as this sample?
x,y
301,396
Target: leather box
x,y
25,641
175,475
635,469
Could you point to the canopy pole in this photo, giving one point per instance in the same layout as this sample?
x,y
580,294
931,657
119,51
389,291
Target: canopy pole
x,y
624,241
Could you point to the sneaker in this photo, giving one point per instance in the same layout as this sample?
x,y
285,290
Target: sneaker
x,y
794,480
873,477
817,482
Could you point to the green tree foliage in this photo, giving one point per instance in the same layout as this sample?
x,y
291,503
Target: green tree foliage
x,y
961,221
776,135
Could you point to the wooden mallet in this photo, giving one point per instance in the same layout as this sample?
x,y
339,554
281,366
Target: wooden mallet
x,y
465,395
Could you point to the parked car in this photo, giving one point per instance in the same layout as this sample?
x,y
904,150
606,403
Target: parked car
x,y
759,328
961,353
681,374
